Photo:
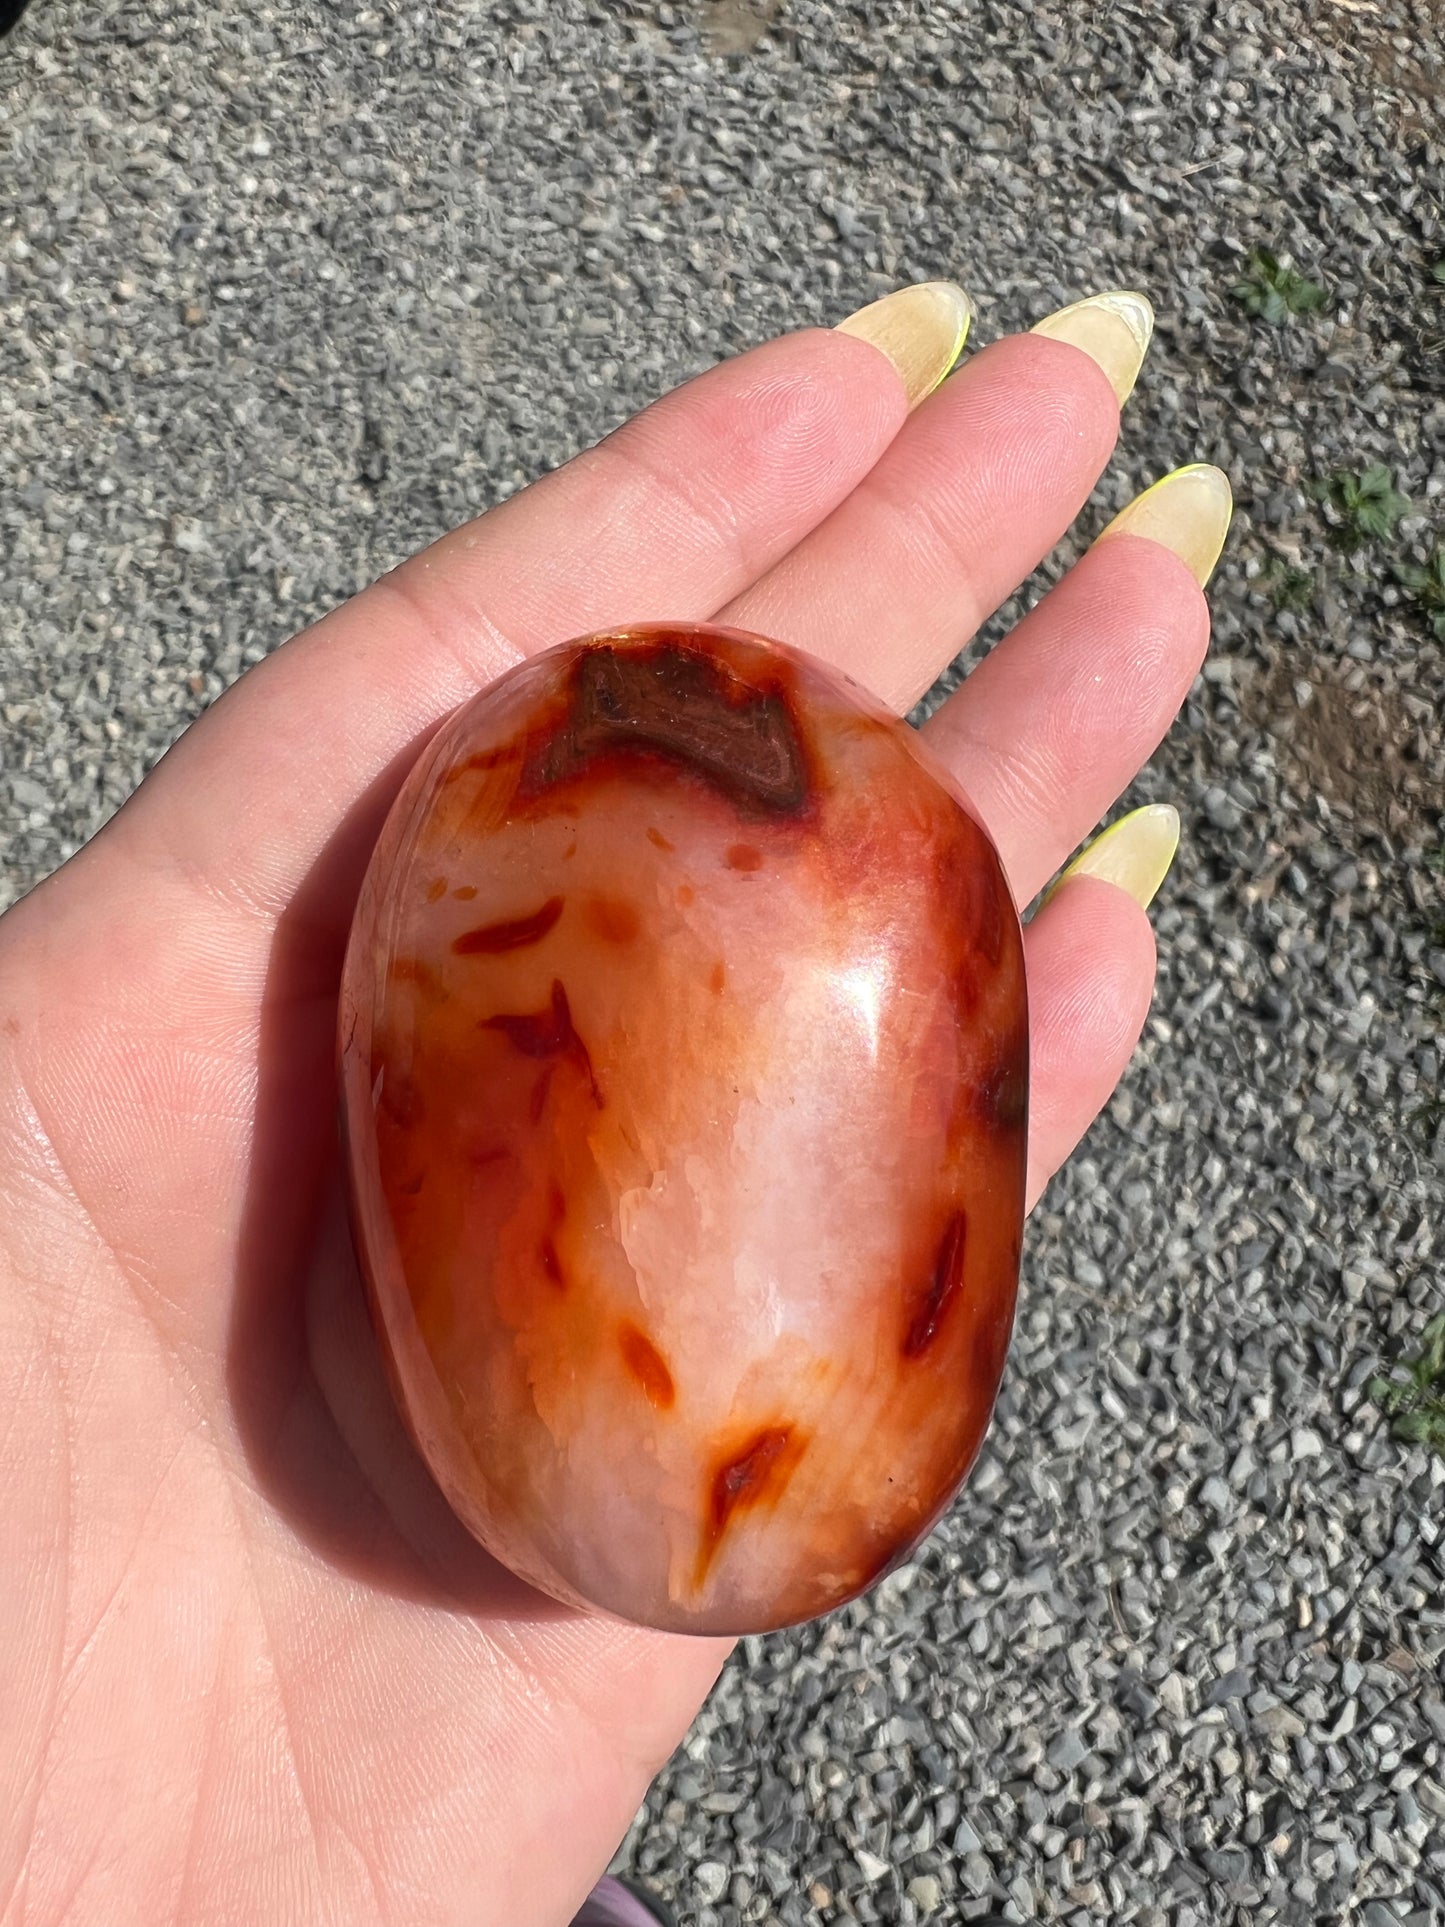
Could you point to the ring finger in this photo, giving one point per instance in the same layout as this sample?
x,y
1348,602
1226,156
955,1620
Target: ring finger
x,y
970,496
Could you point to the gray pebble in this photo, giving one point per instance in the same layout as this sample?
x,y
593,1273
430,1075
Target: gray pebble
x,y
710,1881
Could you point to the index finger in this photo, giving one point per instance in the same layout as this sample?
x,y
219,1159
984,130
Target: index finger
x,y
668,518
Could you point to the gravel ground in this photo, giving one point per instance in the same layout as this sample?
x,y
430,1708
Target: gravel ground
x,y
286,291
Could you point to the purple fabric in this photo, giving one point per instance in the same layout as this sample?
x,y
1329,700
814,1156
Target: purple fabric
x,y
610,1905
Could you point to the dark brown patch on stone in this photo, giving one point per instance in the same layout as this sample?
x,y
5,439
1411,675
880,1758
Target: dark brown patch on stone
x,y
943,1288
664,702
517,933
552,1265
745,857
646,1366
613,919
483,760
973,912
546,1033
1003,1092
744,1480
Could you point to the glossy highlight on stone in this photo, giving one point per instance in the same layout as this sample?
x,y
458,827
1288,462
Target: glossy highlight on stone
x,y
684,1056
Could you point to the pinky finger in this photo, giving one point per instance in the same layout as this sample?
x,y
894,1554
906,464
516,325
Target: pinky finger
x,y
1091,964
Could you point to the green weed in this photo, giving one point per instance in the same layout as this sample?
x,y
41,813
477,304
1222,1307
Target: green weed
x,y
1287,586
1363,508
1273,290
1413,1395
1427,586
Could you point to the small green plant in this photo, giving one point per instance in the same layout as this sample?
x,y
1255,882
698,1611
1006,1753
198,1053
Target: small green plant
x,y
1273,290
1364,508
1427,586
1287,586
1437,273
1414,1394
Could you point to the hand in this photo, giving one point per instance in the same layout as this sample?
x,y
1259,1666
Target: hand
x,y
251,1669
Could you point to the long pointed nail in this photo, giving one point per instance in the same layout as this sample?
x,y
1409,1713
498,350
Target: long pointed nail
x,y
1135,853
1112,329
1188,512
921,330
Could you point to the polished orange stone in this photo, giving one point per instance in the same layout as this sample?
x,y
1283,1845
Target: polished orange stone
x,y
684,1048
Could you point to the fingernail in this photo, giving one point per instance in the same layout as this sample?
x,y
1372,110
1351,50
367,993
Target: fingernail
x,y
1134,854
921,330
1112,329
1187,512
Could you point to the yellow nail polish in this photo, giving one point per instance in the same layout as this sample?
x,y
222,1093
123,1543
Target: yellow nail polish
x,y
920,329
1187,512
1112,329
1134,854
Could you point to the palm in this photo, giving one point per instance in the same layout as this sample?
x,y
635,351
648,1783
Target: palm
x,y
252,1668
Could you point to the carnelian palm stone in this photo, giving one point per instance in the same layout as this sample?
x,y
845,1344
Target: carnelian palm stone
x,y
684,1046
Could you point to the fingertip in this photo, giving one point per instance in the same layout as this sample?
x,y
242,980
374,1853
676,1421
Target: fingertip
x,y
919,330
1113,329
1135,586
1092,964
801,416
1135,854
1079,386
1094,951
1040,420
1187,512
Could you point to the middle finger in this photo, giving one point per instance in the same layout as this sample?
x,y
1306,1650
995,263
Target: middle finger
x,y
977,488
1057,721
